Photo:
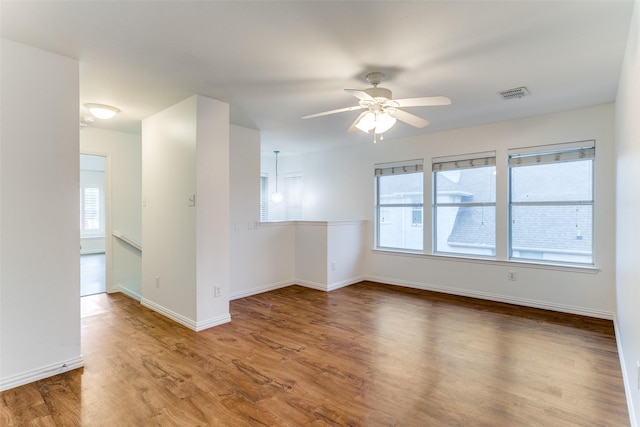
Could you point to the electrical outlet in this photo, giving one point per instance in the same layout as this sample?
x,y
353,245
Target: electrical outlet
x,y
157,281
333,265
216,291
512,276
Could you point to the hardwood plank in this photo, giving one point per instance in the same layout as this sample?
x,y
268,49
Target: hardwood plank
x,y
365,355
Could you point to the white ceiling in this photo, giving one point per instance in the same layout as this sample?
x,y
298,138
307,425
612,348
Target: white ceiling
x,y
275,61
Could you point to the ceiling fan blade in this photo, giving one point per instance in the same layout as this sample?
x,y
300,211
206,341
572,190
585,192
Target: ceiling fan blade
x,y
426,101
409,118
339,110
353,127
360,94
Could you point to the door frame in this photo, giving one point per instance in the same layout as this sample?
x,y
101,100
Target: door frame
x,y
108,231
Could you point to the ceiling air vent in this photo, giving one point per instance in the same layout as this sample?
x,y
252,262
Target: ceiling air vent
x,y
517,93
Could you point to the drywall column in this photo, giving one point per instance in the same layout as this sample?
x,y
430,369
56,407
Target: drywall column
x,y
185,213
212,213
627,208
40,240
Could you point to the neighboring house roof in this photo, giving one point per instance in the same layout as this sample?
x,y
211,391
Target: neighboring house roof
x,y
537,227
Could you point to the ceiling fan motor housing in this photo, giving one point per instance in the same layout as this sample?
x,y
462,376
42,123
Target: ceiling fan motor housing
x,y
379,92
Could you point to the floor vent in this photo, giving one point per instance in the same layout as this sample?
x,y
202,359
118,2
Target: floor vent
x,y
519,92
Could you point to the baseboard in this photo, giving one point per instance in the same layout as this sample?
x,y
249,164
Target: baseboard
x,y
329,287
628,384
184,321
312,285
119,288
261,289
344,283
600,314
210,323
41,373
179,318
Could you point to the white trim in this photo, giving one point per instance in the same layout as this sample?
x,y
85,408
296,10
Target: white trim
x,y
261,289
275,223
108,263
344,283
179,318
312,285
41,373
184,321
128,292
625,377
526,302
214,321
442,256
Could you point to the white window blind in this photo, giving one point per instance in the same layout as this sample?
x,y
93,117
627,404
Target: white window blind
x,y
552,157
264,198
479,160
396,168
293,195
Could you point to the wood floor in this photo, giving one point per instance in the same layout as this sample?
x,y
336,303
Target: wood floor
x,y
364,355
92,274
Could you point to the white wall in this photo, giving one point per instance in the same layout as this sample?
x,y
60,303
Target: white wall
x,y
123,151
213,207
185,152
346,251
627,214
339,185
262,255
39,244
311,254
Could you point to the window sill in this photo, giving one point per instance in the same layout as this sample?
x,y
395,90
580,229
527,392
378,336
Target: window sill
x,y
588,269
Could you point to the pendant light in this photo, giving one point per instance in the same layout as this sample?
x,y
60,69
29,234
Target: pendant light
x,y
276,197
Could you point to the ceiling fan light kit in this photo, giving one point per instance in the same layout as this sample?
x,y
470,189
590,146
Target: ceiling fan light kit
x,y
383,111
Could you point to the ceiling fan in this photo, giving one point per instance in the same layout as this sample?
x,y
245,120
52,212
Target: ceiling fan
x,y
381,110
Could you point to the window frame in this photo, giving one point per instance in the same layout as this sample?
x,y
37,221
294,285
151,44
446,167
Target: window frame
x,y
390,169
461,163
573,153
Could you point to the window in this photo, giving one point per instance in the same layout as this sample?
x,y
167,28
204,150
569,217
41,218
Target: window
x,y
91,205
464,205
293,195
551,205
92,196
91,211
399,202
264,197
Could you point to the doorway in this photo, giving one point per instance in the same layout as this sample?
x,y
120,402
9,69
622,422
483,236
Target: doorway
x,y
93,224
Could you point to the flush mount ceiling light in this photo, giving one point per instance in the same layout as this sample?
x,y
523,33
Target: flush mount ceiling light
x,y
102,111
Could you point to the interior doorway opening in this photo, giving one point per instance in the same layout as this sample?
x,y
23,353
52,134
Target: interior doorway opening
x,y
93,224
